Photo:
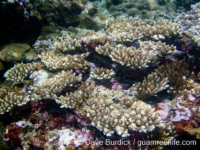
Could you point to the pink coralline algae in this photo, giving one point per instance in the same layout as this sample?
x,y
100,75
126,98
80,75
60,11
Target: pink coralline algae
x,y
175,110
66,136
45,129
185,114
180,116
164,112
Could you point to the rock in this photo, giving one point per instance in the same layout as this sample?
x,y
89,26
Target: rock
x,y
30,56
76,8
14,52
92,11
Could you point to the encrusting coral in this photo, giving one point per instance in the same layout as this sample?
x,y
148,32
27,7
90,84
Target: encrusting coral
x,y
101,73
183,112
14,52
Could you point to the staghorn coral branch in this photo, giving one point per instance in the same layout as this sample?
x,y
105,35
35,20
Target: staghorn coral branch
x,y
108,116
55,61
66,45
150,85
161,49
52,87
177,74
20,71
127,30
101,73
10,97
130,58
105,49
149,53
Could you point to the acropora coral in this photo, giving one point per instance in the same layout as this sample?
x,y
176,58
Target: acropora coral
x,y
127,81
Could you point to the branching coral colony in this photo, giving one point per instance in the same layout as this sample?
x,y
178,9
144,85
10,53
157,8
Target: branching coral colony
x,y
71,59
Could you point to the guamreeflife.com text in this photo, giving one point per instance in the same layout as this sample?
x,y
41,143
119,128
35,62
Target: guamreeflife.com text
x,y
140,143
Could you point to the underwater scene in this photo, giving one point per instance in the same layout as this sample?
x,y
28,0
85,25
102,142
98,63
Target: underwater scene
x,y
100,75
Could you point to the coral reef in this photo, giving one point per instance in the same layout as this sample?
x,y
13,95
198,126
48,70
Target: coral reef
x,y
110,84
41,45
131,29
178,75
90,39
190,22
69,13
66,130
65,45
141,8
48,131
114,118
